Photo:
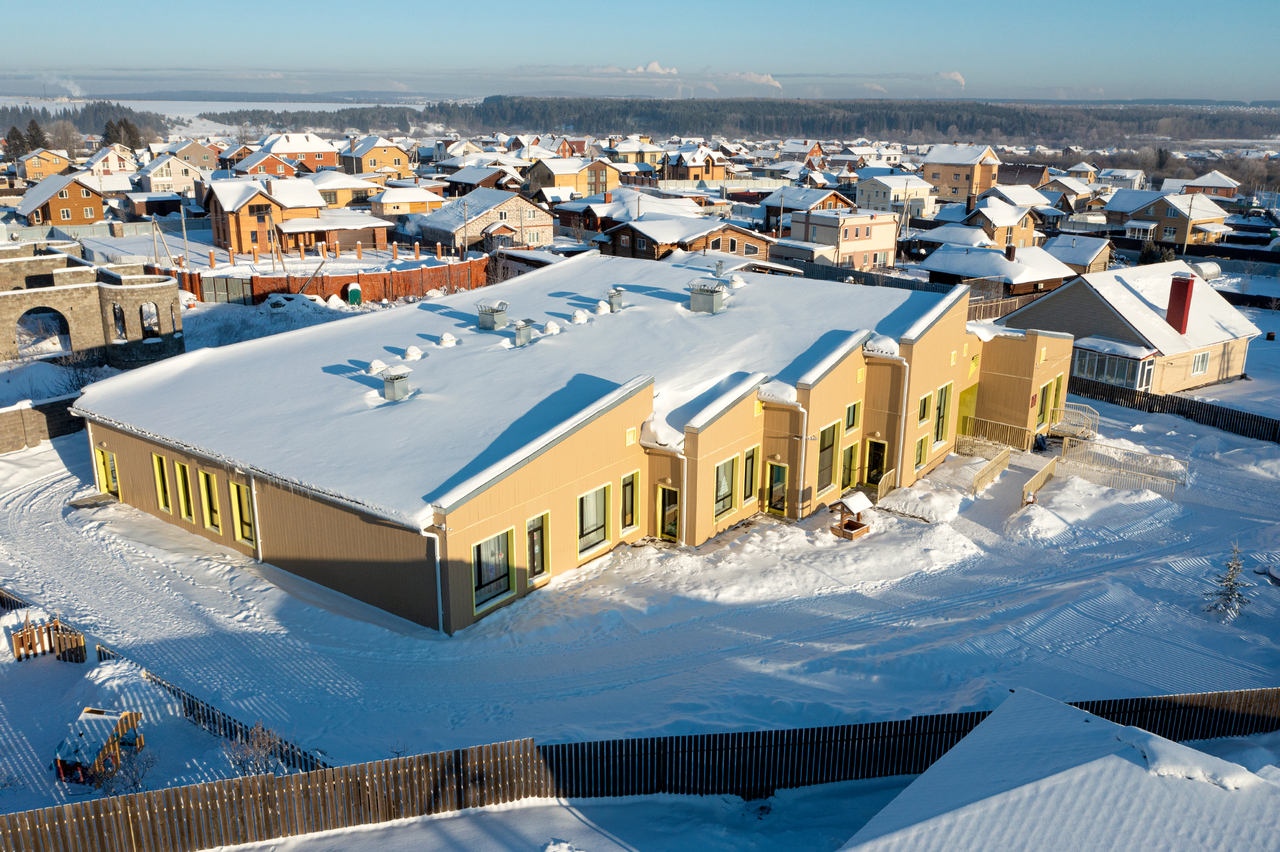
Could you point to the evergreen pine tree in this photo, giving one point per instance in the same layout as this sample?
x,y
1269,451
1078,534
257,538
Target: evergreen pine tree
x,y
110,133
1229,598
129,134
16,144
35,136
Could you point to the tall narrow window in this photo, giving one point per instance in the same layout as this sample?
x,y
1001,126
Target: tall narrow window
x,y
724,486
242,512
826,457
183,477
922,451
926,408
209,501
593,519
848,466
852,416
628,501
150,317
108,478
491,565
1042,413
942,412
749,474
163,499
536,539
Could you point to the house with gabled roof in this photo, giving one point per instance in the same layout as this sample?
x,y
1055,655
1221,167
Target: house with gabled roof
x,y
395,202
375,154
694,162
1034,175
1214,183
302,148
42,162
653,236
585,177
1177,220
235,153
906,195
1158,328
110,160
787,199
958,171
167,173
1082,254
1086,173
251,216
486,219
1012,271
339,189
61,200
477,177
266,164
630,399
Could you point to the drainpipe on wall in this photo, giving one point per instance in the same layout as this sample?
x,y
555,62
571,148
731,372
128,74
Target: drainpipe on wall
x,y
906,395
257,518
435,550
804,446
684,494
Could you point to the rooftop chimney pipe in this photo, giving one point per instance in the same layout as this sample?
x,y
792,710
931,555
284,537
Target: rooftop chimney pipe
x,y
1179,311
1011,252
970,203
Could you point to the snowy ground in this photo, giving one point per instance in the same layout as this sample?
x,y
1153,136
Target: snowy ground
x,y
1255,285
1260,393
776,625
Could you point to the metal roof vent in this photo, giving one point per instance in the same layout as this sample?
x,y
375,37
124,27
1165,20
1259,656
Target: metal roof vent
x,y
395,383
493,314
375,367
413,353
603,307
579,317
615,299
706,296
719,268
524,332
447,340
551,327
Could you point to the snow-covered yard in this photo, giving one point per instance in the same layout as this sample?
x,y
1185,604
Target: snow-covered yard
x,y
1260,393
1092,593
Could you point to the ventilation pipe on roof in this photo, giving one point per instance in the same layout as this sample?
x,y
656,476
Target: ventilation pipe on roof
x,y
615,299
493,315
1011,252
524,332
395,382
1179,312
706,296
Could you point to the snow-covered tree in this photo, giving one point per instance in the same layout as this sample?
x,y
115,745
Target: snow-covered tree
x,y
1228,596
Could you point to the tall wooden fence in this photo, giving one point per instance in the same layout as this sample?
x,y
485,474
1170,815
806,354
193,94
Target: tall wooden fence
x,y
1039,481
752,765
990,471
1205,413
52,637
216,722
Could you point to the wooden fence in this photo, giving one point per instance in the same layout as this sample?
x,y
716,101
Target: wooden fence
x,y
1018,437
990,471
216,722
1038,481
10,602
752,765
888,483
1117,478
990,309
1205,413
1120,460
52,637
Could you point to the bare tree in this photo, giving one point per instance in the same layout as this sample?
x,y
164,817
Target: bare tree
x,y
131,776
399,748
256,753
63,136
79,369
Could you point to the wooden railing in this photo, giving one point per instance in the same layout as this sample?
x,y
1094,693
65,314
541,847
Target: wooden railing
x,y
748,764
1038,481
967,445
1120,460
1074,420
1117,478
990,471
1018,437
888,483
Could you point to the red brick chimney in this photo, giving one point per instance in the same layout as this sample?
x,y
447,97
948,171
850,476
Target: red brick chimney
x,y
1011,252
970,203
1179,311
608,198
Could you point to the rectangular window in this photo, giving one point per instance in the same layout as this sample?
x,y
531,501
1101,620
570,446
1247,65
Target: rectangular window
x,y
750,250
491,568
536,538
62,193
943,412
1170,233
852,416
1200,364
628,501
724,486
108,476
733,246
749,474
593,519
162,483
184,491
242,512
1042,413
642,243
65,212
848,466
209,501
926,408
88,212
922,451
826,457
715,244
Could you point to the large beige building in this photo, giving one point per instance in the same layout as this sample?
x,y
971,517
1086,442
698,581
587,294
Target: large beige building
x,y
862,240
958,171
640,400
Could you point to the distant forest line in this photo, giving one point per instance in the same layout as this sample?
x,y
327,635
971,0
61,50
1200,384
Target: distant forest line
x,y
905,121
90,118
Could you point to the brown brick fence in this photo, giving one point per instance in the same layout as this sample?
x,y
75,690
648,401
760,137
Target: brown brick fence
x,y
28,423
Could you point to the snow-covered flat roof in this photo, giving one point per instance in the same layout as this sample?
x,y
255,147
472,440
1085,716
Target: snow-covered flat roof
x,y
1041,776
482,402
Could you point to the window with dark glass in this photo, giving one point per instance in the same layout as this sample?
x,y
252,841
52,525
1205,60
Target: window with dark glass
x,y
628,501
593,519
536,537
491,564
826,457
724,486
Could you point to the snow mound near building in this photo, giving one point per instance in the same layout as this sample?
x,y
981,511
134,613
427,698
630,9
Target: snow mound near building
x,y
1070,509
927,500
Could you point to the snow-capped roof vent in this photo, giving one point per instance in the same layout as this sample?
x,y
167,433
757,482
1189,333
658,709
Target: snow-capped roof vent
x,y
447,340
395,382
413,353
524,332
375,367
551,327
579,317
706,296
602,307
493,314
615,299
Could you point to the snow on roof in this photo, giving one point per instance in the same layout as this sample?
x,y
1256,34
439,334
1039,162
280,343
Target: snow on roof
x,y
707,260
405,195
1072,185
1141,296
473,205
1030,264
37,195
295,192
332,220
665,229
958,155
556,194
564,165
365,145
1215,179
477,405
903,182
960,235
296,143
999,213
1114,347
333,180
797,198
1019,194
1078,250
234,194
475,174
118,182
626,204
1041,776
1195,206
1132,200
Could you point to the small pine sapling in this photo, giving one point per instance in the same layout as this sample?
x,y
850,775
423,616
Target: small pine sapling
x,y
1228,596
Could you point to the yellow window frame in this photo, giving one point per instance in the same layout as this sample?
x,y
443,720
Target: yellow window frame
x,y
164,497
209,508
182,476
242,494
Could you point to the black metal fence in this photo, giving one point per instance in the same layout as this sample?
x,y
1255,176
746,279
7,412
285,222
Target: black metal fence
x,y
1231,420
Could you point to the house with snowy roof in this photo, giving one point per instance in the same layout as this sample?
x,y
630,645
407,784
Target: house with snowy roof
x,y
1214,183
339,189
167,173
1123,178
486,219
786,200
1075,195
906,195
605,210
394,202
574,409
110,160
958,171
585,177
1158,328
477,177
1015,271
694,162
1175,220
267,164
61,200
375,154
306,148
861,239
1037,775
42,162
653,236
1082,254
251,216
635,150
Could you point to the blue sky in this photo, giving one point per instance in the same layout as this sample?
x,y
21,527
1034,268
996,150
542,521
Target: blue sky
x,y
1074,49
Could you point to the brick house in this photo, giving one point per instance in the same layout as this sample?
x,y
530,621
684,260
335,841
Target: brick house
x,y
306,148
655,238
488,219
585,177
694,162
61,200
248,216
266,164
339,189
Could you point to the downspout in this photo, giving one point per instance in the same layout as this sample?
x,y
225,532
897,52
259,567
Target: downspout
x,y
804,446
684,494
906,391
257,517
435,551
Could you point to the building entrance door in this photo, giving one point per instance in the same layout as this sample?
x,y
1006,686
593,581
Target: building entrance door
x,y
876,452
777,489
668,514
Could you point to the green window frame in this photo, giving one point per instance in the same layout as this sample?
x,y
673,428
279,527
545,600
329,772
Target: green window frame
x,y
826,457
